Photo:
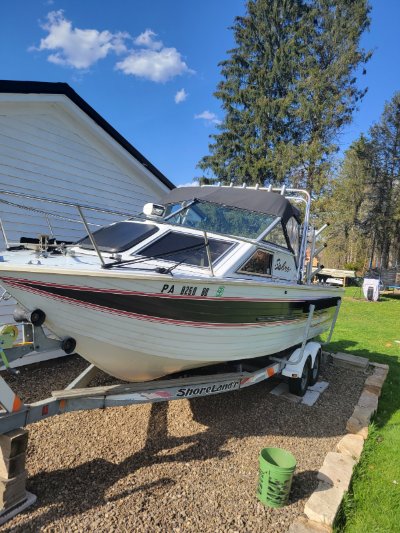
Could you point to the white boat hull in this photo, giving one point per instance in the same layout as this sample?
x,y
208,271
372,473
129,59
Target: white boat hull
x,y
140,346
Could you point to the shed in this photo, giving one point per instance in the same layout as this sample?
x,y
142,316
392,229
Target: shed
x,y
54,144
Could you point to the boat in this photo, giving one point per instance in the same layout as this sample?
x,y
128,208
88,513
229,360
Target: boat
x,y
208,275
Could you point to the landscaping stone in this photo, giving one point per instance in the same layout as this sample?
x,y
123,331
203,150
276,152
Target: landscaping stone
x,y
382,367
350,361
302,525
324,503
369,400
374,384
351,445
310,397
337,470
376,379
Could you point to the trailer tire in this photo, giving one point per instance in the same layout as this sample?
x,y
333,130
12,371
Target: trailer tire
x,y
298,386
316,369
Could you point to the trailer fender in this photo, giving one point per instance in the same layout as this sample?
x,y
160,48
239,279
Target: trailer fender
x,y
294,366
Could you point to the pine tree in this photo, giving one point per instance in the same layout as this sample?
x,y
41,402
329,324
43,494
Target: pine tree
x,y
385,186
286,90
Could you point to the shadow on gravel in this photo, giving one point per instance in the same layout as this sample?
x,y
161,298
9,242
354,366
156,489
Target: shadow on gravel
x,y
237,415
303,485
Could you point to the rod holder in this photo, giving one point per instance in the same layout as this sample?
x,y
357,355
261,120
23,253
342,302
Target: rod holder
x,y
320,230
316,271
320,249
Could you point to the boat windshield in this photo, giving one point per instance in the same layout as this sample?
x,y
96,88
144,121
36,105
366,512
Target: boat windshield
x,y
207,216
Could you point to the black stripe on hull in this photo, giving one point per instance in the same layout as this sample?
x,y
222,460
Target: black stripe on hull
x,y
187,310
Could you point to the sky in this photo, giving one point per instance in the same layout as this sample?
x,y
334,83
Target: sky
x,y
150,68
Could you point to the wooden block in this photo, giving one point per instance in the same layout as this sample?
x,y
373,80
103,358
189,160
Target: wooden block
x,y
12,491
13,443
11,467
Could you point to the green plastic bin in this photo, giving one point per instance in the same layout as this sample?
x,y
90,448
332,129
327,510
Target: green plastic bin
x,y
277,467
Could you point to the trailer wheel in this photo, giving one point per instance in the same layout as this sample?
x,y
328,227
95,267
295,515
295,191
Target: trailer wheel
x,y
314,375
298,386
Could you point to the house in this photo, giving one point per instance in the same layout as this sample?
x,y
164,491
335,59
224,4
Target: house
x,y
55,145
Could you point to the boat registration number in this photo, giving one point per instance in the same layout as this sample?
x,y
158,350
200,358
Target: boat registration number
x,y
190,290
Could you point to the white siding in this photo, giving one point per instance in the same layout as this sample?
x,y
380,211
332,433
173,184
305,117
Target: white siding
x,y
55,150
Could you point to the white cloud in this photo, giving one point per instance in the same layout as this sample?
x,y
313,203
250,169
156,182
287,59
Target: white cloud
x,y
181,96
208,117
155,65
81,48
146,39
75,47
193,183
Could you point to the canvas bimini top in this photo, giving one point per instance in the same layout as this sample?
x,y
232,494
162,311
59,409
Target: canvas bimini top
x,y
259,201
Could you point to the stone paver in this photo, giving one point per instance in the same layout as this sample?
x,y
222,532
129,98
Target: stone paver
x,y
369,400
324,503
348,360
337,470
302,525
351,445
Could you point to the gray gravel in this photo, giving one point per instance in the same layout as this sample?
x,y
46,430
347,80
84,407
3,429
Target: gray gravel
x,y
187,465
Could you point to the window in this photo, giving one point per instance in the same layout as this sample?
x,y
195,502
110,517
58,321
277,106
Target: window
x,y
183,248
119,237
292,228
220,219
277,236
259,264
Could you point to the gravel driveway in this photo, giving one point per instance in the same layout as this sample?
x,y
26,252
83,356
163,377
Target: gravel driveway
x,y
187,465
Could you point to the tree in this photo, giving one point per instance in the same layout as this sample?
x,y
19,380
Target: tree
x,y
385,185
349,207
287,89
365,202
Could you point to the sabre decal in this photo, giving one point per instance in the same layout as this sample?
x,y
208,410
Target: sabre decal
x,y
284,267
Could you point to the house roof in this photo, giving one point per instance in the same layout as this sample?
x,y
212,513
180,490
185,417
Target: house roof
x,y
41,87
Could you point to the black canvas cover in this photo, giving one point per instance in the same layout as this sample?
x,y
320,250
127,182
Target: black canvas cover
x,y
260,201
119,237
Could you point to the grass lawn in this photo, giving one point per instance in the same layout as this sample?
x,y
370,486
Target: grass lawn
x,y
371,329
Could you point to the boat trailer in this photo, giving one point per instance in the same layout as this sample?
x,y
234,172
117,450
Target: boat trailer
x,y
15,414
